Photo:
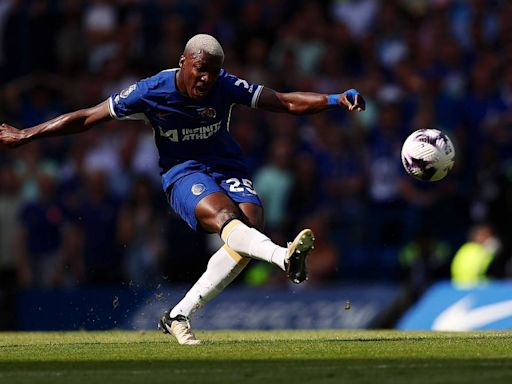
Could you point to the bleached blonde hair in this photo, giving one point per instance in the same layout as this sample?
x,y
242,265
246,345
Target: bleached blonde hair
x,y
206,44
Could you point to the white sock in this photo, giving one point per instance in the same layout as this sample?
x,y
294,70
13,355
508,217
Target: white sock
x,y
222,269
252,243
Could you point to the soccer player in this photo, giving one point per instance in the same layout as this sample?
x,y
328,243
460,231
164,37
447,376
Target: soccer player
x,y
203,171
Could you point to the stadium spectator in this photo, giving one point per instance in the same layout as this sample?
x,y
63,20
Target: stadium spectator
x,y
472,261
100,22
357,15
97,221
70,55
40,259
306,193
252,134
140,228
10,204
388,221
273,182
323,268
424,261
14,39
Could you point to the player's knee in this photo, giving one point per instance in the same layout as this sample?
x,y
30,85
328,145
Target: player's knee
x,y
255,222
253,216
224,216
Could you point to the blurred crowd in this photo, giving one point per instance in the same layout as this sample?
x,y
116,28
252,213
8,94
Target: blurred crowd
x,y
88,209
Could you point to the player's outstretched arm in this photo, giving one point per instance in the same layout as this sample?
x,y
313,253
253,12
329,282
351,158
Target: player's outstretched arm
x,y
66,124
300,103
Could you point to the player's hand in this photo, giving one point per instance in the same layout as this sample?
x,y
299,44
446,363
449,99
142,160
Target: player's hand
x,y
11,137
352,100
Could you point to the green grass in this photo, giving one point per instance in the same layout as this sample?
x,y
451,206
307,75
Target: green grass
x,y
285,357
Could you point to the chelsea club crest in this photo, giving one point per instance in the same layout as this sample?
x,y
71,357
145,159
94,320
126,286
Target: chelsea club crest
x,y
197,189
207,112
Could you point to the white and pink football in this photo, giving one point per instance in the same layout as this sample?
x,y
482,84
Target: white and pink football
x,y
428,154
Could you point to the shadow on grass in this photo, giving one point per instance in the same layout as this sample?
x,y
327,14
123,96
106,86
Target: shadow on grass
x,y
356,371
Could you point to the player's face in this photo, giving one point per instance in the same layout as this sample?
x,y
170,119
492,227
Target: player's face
x,y
199,73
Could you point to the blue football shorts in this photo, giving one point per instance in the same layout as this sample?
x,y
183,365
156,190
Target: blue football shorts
x,y
188,191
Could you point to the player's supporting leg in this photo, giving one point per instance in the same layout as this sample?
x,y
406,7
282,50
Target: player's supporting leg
x,y
223,267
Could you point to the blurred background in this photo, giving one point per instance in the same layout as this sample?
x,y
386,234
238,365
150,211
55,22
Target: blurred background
x,y
86,213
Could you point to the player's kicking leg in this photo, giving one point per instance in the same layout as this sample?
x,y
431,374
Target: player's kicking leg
x,y
251,243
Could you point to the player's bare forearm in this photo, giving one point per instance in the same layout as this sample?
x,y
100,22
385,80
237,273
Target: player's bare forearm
x,y
300,103
297,103
69,123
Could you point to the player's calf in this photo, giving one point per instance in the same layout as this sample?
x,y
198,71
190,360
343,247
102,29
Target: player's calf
x,y
251,243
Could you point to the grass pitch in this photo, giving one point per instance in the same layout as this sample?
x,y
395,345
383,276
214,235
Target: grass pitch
x,y
257,357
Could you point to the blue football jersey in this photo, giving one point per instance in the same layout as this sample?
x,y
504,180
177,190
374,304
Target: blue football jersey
x,y
188,133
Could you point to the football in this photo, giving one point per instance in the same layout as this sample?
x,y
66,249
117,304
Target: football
x,y
428,154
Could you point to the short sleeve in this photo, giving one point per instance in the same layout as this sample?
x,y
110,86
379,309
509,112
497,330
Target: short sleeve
x,y
241,91
129,104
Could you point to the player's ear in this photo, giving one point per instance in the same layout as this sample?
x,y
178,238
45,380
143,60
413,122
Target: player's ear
x,y
182,59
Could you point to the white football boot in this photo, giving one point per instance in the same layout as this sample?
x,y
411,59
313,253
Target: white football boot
x,y
179,327
298,250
